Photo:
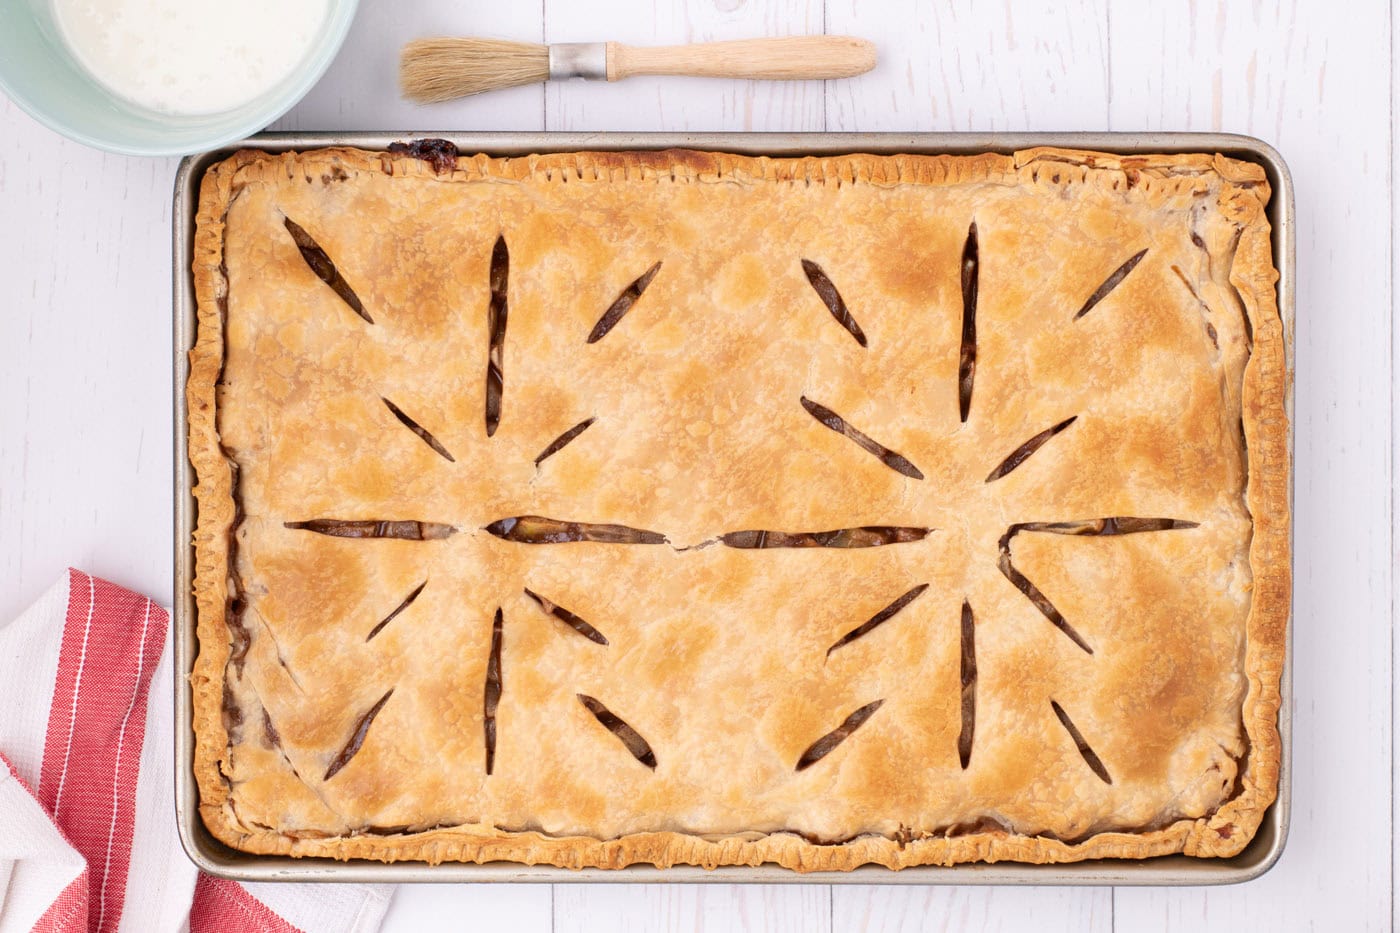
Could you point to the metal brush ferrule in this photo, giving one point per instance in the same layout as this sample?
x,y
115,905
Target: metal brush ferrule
x,y
578,60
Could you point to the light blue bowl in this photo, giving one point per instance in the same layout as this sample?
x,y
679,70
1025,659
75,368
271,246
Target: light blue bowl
x,y
40,75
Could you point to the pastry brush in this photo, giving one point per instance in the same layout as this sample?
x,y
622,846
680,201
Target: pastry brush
x,y
433,70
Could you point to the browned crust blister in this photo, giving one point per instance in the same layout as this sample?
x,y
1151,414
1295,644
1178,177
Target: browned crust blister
x,y
1225,832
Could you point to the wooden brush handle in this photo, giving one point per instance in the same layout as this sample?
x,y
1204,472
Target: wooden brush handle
x,y
797,57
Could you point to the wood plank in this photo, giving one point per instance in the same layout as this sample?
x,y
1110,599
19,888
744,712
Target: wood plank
x,y
1311,78
891,909
519,908
1394,468
360,90
970,65
680,908
682,103
85,443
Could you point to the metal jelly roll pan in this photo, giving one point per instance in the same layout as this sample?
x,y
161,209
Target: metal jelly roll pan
x,y
214,857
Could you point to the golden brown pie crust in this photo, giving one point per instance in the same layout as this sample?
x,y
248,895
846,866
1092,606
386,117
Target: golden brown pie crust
x,y
718,655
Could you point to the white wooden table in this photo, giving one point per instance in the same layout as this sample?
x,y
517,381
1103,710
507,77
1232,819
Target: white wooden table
x,y
85,394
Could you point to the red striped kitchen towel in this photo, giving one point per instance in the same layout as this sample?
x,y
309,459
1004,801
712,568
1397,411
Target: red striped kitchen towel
x,y
87,809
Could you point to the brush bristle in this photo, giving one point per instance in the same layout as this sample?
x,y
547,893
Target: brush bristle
x,y
432,70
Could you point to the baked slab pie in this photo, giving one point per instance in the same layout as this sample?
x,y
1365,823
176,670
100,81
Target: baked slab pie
x,y
678,507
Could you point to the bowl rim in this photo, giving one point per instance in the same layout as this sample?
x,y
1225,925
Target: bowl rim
x,y
341,15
